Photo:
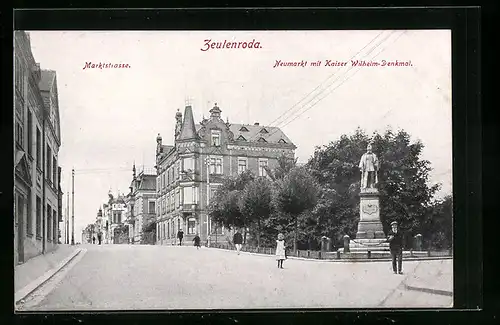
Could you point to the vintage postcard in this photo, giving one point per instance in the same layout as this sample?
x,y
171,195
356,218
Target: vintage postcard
x,y
198,170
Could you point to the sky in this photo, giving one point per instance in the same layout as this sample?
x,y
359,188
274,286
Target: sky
x,y
110,117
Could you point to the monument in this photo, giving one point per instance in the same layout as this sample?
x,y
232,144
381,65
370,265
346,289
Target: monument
x,y
370,235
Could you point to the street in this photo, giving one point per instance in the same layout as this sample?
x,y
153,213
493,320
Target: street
x,y
131,277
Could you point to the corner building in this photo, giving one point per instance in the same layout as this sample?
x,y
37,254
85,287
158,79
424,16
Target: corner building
x,y
189,172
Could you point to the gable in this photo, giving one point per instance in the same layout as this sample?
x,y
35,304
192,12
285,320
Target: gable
x,y
22,168
262,140
241,138
216,151
282,141
264,130
243,129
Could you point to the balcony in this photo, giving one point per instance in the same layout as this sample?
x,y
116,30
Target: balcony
x,y
190,207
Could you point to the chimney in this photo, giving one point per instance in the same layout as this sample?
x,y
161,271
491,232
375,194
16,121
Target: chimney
x,y
256,123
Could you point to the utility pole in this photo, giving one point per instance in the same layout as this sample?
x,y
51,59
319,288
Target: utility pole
x,y
73,207
207,162
66,226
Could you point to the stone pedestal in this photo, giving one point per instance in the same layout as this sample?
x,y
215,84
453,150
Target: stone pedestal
x,y
370,235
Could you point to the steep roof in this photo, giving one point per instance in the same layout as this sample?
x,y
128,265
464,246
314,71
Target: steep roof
x,y
254,133
188,130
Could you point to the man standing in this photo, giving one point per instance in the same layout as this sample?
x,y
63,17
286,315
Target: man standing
x,y
395,240
238,240
99,238
180,235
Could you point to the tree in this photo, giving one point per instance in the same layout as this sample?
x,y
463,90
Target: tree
x,y
438,227
403,181
284,166
255,203
224,206
296,193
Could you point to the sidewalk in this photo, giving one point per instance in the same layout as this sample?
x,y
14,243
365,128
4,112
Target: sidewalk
x,y
436,278
35,267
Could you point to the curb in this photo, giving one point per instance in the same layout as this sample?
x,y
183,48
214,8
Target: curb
x,y
428,290
30,288
345,260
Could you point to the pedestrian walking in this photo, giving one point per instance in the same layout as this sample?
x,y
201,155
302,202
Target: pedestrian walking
x,y
93,240
180,235
99,238
237,241
395,240
197,241
280,250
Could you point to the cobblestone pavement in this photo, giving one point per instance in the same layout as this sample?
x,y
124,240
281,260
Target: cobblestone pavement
x,y
127,277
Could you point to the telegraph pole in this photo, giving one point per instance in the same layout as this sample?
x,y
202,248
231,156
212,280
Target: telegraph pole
x,y
66,227
207,162
73,207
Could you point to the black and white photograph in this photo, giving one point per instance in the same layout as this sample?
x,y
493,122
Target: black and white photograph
x,y
222,170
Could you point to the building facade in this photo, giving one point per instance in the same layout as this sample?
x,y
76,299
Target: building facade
x,y
141,205
37,191
190,170
114,215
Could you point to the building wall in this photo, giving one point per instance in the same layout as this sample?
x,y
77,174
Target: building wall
x,y
28,133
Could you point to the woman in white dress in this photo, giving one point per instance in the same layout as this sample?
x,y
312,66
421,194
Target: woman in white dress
x,y
280,250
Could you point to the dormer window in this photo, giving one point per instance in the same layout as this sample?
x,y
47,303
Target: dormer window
x,y
282,141
243,129
241,138
215,138
264,131
262,140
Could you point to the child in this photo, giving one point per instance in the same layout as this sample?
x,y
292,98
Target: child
x,y
197,241
280,250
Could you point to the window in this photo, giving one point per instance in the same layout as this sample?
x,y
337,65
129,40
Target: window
x,y
191,226
119,217
163,206
55,233
49,164
151,207
49,223
215,138
262,140
188,195
38,217
188,164
242,165
241,138
177,198
262,167
19,76
178,167
54,170
19,134
243,129
30,133
264,131
282,141
164,232
213,191
38,148
158,184
163,180
216,165
29,218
